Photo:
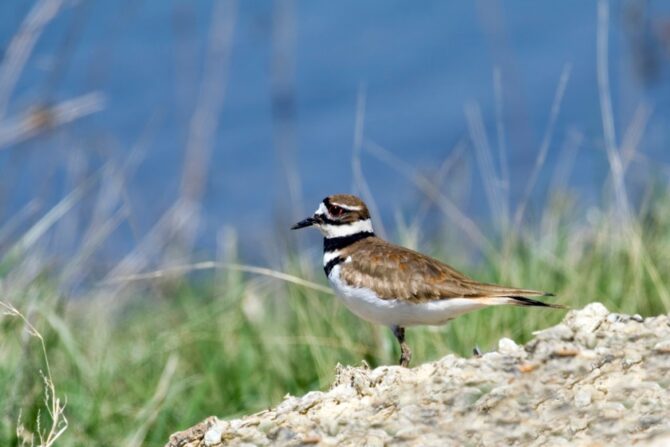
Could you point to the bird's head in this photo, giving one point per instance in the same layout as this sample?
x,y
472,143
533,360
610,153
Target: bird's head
x,y
339,215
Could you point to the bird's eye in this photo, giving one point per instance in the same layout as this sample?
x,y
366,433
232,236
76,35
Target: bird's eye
x,y
336,211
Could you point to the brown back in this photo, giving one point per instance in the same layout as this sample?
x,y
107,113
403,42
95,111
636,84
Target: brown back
x,y
398,272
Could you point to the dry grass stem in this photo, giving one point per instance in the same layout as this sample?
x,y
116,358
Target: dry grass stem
x,y
54,407
212,265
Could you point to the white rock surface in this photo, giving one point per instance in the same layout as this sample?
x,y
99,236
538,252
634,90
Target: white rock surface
x,y
598,378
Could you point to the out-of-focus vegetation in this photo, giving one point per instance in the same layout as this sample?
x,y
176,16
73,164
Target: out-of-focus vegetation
x,y
168,355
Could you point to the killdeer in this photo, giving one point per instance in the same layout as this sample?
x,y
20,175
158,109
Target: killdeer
x,y
392,285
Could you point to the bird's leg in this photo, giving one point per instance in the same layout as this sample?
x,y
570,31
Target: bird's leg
x,y
405,352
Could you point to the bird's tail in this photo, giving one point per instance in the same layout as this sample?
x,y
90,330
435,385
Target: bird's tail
x,y
523,301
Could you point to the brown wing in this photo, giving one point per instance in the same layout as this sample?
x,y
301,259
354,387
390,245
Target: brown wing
x,y
397,272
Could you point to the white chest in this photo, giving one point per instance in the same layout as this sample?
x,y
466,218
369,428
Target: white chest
x,y
367,305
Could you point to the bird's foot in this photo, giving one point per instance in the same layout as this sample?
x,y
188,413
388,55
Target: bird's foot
x,y
405,355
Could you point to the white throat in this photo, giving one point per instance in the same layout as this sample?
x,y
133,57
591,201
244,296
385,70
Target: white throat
x,y
359,226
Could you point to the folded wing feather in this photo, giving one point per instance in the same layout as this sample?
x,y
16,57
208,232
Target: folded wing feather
x,y
396,272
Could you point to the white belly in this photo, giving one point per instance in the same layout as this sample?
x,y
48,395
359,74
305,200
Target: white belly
x,y
365,304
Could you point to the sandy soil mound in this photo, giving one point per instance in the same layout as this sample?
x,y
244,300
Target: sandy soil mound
x,y
598,378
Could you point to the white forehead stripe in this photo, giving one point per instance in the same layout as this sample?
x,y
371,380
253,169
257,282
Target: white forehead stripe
x,y
348,207
322,210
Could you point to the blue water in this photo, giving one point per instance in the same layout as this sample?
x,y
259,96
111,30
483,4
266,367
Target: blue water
x,y
418,64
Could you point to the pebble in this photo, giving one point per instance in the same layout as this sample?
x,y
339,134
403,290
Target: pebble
x,y
558,332
213,435
662,347
588,319
583,396
578,424
507,346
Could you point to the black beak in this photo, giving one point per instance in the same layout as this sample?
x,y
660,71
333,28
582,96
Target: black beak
x,y
304,223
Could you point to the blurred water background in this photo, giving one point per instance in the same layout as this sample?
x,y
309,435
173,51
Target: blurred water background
x,y
249,109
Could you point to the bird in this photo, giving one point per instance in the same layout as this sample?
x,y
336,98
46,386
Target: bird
x,y
392,285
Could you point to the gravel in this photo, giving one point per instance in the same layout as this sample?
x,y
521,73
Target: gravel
x,y
597,378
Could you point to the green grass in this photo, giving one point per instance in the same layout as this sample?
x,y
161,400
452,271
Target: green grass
x,y
173,352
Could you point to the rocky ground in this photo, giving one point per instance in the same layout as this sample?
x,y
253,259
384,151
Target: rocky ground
x,y
598,378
